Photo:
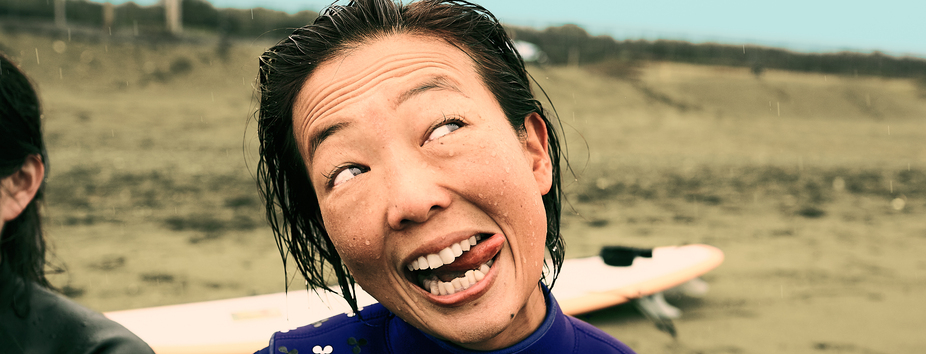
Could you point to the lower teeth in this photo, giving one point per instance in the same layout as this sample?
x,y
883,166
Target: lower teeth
x,y
468,279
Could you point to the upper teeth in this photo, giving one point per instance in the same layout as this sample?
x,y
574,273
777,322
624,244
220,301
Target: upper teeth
x,y
445,256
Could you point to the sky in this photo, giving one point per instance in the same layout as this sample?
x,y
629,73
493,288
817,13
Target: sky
x,y
895,27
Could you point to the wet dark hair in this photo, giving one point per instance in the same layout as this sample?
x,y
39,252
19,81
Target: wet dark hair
x,y
292,205
22,243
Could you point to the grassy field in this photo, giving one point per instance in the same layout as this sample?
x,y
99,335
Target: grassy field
x,y
813,185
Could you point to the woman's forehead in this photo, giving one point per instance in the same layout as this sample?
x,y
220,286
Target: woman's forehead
x,y
397,57
383,72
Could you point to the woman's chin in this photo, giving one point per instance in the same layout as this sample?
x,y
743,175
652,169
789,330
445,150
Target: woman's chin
x,y
473,329
475,317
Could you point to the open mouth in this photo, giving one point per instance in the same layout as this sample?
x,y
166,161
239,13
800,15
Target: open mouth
x,y
455,268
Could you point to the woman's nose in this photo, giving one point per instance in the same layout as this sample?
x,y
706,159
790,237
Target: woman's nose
x,y
415,195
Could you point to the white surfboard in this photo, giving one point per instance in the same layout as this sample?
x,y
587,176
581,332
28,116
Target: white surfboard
x,y
244,325
588,284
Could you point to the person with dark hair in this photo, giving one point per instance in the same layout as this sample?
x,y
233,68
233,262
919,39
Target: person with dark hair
x,y
33,318
402,149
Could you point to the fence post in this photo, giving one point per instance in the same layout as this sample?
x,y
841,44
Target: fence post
x,y
109,16
172,11
61,20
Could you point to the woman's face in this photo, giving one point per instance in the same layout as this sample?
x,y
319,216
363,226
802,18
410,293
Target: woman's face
x,y
412,158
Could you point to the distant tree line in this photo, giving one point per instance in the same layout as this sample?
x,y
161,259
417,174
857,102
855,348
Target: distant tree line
x,y
571,44
150,20
567,44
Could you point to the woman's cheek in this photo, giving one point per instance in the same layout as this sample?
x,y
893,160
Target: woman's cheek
x,y
350,229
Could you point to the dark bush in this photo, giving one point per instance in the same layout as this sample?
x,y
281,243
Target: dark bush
x,y
181,66
559,42
811,212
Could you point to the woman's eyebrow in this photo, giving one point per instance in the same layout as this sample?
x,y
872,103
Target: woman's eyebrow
x,y
316,139
439,82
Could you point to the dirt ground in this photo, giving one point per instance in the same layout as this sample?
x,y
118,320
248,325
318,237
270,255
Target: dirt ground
x,y
814,186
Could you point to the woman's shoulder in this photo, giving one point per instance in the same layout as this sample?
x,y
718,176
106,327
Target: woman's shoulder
x,y
590,339
339,334
71,327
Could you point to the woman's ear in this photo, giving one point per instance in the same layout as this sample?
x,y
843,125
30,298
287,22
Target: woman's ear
x,y
535,147
18,189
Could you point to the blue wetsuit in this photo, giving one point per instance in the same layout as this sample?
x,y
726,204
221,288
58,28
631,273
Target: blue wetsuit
x,y
383,332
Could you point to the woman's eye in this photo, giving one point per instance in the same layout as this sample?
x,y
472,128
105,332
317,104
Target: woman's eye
x,y
443,130
346,174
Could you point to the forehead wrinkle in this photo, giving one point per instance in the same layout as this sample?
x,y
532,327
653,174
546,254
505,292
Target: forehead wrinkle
x,y
352,86
346,89
345,97
437,82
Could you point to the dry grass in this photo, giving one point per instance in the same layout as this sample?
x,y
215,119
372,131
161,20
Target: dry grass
x,y
796,176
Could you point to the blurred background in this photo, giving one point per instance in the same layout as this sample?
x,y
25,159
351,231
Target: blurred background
x,y
790,136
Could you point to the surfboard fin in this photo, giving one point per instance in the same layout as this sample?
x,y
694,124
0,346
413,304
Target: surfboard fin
x,y
656,309
696,288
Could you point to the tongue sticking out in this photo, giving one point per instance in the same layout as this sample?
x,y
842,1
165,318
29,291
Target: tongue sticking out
x,y
466,270
477,255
